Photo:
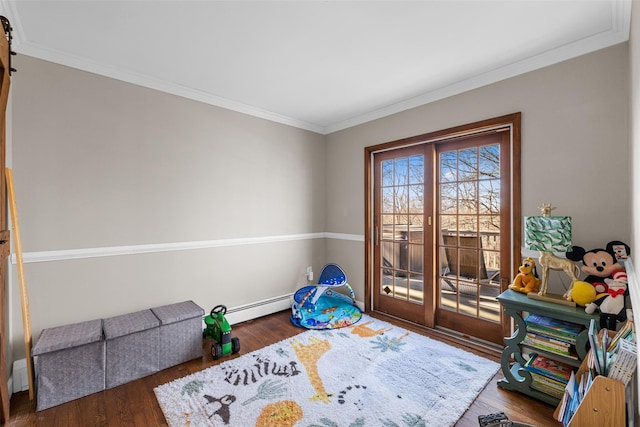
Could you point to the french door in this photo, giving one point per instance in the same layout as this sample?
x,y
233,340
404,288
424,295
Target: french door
x,y
403,242
442,240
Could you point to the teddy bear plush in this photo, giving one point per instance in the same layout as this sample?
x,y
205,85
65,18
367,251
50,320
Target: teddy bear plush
x,y
600,264
612,303
526,280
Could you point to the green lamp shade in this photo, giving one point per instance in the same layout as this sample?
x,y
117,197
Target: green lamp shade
x,y
547,233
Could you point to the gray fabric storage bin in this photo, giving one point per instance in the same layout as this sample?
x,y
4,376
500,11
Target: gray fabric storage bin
x,y
132,347
69,363
181,327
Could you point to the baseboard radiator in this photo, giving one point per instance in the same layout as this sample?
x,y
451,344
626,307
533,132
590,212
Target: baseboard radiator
x,y
257,309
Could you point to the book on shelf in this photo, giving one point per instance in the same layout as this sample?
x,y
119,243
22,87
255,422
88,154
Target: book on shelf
x,y
624,361
551,344
550,368
547,386
556,328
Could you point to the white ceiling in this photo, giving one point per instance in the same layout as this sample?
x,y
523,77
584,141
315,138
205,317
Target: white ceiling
x,y
316,65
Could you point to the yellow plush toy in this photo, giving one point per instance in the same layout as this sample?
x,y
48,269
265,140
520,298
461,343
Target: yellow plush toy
x,y
526,281
583,293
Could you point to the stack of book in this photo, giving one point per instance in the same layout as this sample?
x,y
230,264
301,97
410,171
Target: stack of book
x,y
548,376
552,335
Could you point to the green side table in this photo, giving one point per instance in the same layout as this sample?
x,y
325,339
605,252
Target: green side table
x,y
513,360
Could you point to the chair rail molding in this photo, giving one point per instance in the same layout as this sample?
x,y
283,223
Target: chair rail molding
x,y
71,254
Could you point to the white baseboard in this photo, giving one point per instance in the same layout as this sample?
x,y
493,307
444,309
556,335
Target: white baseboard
x,y
19,377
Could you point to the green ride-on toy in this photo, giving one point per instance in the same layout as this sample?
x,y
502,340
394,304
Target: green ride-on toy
x,y
218,329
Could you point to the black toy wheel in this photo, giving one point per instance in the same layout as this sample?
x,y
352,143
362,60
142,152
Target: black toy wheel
x,y
216,351
219,309
235,345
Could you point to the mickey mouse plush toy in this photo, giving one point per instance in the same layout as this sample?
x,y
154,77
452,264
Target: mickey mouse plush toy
x,y
600,264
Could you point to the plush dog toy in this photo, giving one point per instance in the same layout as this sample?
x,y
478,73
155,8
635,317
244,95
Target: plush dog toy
x,y
526,280
612,303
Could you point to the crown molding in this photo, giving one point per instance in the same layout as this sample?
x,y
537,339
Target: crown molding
x,y
617,33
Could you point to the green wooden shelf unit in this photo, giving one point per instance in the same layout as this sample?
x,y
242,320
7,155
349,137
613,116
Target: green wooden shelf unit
x,y
513,360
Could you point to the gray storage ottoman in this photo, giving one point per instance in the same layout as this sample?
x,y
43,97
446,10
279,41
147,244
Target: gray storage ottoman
x,y
132,343
69,363
180,332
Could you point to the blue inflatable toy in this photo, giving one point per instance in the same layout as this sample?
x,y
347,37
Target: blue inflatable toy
x,y
321,306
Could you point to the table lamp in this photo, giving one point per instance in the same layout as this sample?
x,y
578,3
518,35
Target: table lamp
x,y
549,234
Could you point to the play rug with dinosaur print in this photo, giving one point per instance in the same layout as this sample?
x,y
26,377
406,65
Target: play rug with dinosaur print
x,y
369,374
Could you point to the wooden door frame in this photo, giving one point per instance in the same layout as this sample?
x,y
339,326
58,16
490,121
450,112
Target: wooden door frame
x,y
512,120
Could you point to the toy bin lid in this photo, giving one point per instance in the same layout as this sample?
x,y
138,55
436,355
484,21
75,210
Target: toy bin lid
x,y
332,274
131,323
172,313
68,336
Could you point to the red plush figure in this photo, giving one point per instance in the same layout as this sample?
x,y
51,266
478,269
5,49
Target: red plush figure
x,y
612,303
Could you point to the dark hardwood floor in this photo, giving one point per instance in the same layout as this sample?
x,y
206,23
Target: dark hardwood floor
x,y
134,404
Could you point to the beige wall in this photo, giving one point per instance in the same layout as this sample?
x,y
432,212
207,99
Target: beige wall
x,y
634,124
575,147
101,164
634,141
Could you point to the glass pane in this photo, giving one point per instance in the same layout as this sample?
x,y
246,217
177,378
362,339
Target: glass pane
x,y
449,198
490,224
416,170
416,198
467,224
401,256
387,173
489,196
416,254
416,285
448,167
387,227
449,299
401,228
490,161
468,164
387,256
489,308
416,229
386,286
467,197
492,266
489,236
448,224
468,264
401,287
387,200
468,241
401,171
401,202
416,222
469,300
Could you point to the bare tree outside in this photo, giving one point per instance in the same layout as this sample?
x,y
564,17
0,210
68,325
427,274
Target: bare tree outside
x,y
469,219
